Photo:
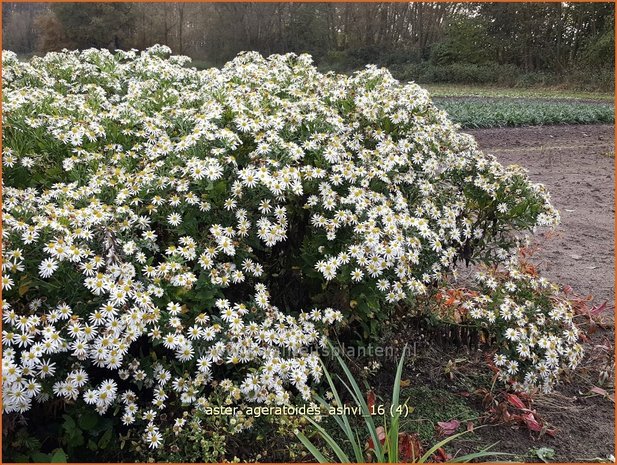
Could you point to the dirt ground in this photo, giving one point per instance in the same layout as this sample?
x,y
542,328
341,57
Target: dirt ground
x,y
576,163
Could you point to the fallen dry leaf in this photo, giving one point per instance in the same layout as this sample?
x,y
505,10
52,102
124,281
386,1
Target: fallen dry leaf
x,y
447,428
409,447
516,401
470,426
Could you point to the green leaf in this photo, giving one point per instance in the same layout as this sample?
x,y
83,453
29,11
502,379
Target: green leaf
x,y
40,457
105,439
358,396
58,456
477,455
544,453
312,449
342,456
69,424
88,420
102,425
394,427
76,438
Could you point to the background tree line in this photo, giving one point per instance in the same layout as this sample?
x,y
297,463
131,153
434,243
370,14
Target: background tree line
x,y
502,43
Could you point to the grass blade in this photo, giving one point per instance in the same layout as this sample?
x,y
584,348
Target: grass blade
x,y
430,452
342,420
358,396
342,456
477,455
394,424
311,447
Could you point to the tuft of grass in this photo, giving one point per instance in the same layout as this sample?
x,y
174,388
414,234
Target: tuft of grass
x,y
503,112
386,444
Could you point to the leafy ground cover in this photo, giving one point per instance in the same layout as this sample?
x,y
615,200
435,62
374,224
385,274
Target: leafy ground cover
x,y
490,112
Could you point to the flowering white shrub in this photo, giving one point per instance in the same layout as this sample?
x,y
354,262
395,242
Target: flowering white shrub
x,y
535,334
538,334
164,227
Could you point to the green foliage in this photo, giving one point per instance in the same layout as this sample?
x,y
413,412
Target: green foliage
x,y
461,73
462,90
199,439
202,438
308,30
600,50
431,405
466,41
23,448
95,24
387,443
546,454
74,436
501,112
523,45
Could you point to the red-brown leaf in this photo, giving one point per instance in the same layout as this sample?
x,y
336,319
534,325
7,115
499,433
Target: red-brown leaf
x,y
516,401
551,432
470,426
441,455
447,428
531,422
596,309
409,447
370,400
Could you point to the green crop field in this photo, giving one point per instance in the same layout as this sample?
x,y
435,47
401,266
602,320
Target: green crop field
x,y
490,112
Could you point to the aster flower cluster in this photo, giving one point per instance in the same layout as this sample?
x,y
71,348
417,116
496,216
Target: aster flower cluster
x,y
143,200
537,338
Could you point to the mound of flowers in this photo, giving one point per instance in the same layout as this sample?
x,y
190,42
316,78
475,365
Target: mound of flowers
x,y
170,234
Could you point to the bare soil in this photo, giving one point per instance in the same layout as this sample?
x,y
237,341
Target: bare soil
x,y
576,163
